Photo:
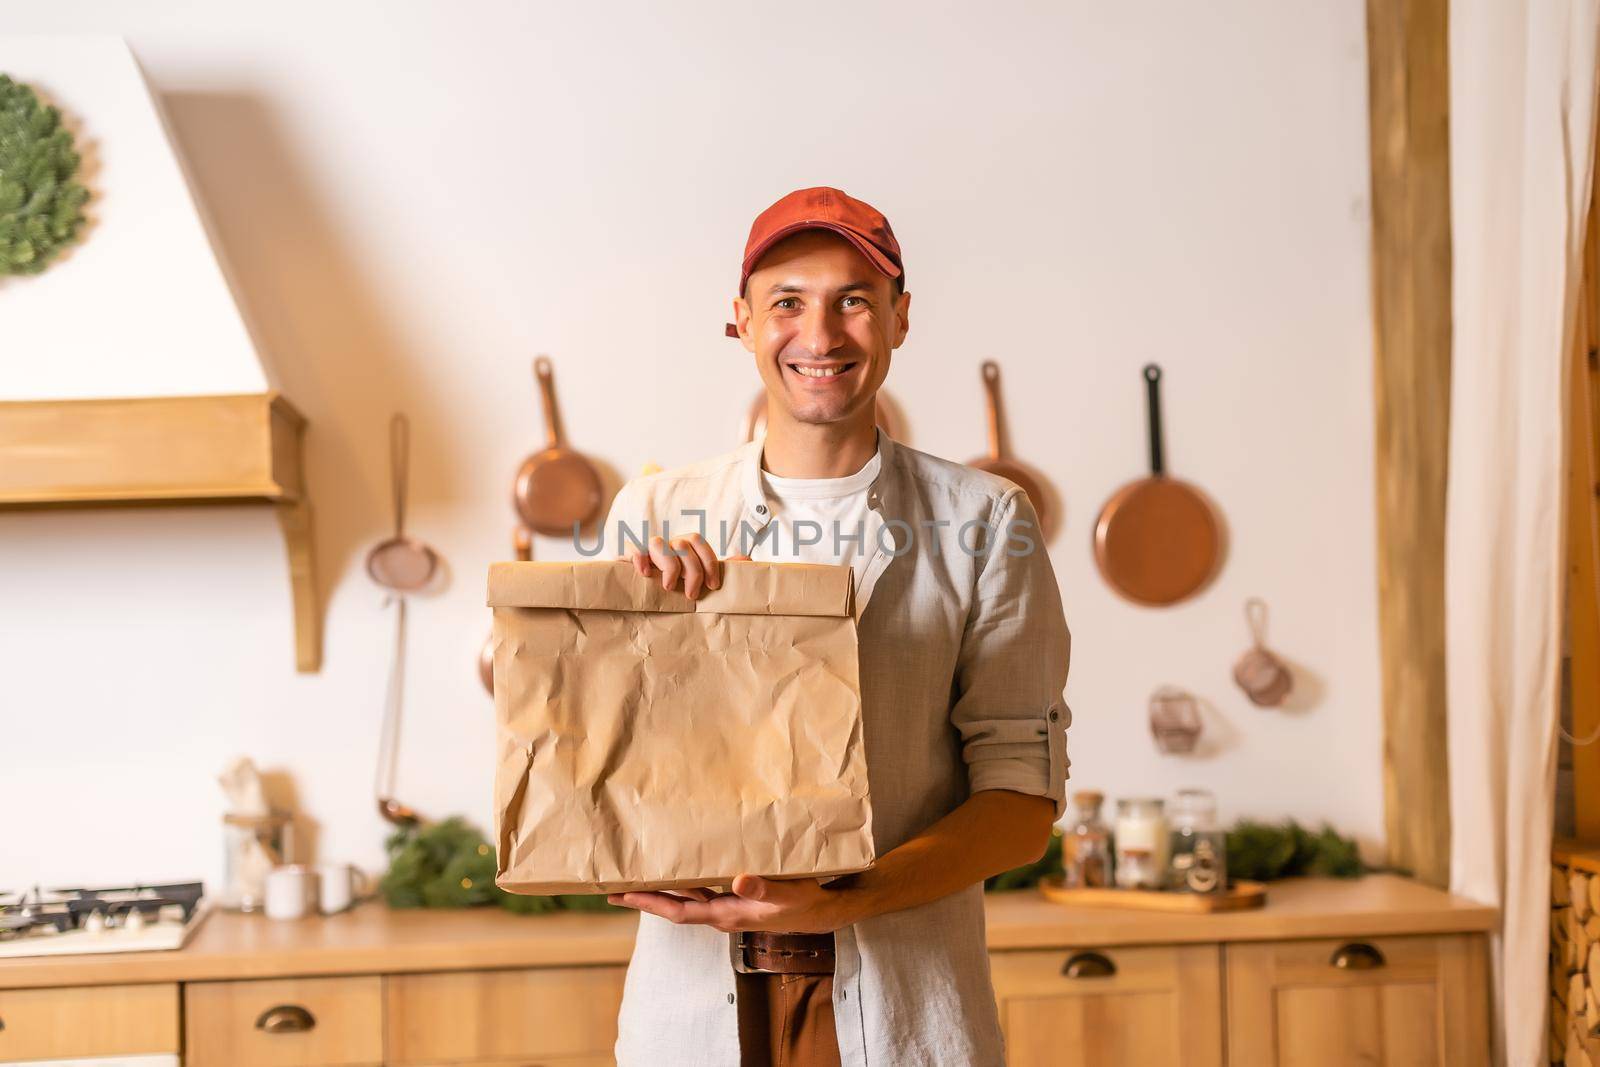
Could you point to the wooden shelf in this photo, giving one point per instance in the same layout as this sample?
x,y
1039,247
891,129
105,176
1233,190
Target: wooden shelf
x,y
170,451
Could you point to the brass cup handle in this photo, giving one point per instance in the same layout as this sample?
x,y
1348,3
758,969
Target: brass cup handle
x,y
285,1019
1357,956
1088,965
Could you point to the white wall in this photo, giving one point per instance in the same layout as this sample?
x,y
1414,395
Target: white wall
x,y
417,198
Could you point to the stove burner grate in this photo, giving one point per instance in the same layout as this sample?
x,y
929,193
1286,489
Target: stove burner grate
x,y
71,909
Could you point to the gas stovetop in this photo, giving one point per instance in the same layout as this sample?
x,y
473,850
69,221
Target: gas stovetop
x,y
142,918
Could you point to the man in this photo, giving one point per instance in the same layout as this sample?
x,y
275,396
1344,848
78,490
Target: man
x,y
963,658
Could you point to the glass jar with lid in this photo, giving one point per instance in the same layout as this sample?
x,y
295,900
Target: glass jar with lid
x,y
1198,847
252,846
1141,846
1086,845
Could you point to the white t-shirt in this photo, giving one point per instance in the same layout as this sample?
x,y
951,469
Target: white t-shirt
x,y
818,520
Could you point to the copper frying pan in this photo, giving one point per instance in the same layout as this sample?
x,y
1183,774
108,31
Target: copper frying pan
x,y
556,488
755,420
997,462
1157,541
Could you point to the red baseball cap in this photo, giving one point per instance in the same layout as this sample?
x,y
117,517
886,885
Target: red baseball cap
x,y
823,208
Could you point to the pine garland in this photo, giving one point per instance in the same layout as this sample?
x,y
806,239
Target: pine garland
x,y
450,865
1262,852
41,207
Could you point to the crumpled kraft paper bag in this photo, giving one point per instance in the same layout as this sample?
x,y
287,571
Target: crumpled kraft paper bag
x,y
650,741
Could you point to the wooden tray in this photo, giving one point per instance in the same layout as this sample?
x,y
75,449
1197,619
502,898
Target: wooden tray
x,y
1237,897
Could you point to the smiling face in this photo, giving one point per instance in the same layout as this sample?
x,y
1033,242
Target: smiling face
x,y
822,323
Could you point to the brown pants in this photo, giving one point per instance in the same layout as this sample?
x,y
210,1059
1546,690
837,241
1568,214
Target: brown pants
x,y
786,1020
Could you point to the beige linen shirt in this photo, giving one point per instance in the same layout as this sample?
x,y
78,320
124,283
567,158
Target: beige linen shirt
x,y
963,657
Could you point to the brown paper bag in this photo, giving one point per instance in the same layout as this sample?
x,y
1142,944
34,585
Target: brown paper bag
x,y
650,741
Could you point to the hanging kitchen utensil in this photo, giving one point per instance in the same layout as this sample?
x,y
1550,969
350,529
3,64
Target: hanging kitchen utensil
x,y
557,489
997,462
1157,540
522,542
389,739
1265,678
755,420
1174,720
401,563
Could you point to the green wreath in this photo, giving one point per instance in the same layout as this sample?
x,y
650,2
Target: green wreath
x,y
41,207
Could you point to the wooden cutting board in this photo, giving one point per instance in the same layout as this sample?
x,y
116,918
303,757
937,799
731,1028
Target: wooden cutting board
x,y
1237,897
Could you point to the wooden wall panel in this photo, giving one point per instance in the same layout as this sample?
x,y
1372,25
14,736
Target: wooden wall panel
x,y
1409,104
1583,517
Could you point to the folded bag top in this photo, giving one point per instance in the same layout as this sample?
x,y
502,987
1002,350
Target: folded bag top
x,y
748,588
650,741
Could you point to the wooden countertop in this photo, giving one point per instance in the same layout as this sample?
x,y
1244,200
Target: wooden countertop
x,y
373,939
1373,906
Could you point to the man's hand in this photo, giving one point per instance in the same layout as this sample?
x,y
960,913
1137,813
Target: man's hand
x,y
686,563
789,905
993,831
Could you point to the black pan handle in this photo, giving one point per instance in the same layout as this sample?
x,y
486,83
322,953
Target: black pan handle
x,y
1152,386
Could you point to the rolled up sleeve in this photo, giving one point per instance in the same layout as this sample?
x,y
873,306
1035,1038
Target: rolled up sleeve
x,y
1010,710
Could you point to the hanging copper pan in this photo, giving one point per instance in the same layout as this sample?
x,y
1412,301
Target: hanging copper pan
x,y
1157,541
997,462
556,488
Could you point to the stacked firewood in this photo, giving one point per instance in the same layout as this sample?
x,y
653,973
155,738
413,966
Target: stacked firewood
x,y
1574,968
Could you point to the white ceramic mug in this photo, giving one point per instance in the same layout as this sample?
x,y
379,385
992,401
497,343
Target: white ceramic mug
x,y
342,886
291,892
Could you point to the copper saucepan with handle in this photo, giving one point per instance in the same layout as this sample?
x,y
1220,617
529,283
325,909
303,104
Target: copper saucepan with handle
x,y
557,488
997,462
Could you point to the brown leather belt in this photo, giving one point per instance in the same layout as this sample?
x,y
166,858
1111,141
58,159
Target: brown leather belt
x,y
786,953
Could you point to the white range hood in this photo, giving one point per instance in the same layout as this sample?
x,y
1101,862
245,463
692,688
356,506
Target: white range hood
x,y
140,306
128,374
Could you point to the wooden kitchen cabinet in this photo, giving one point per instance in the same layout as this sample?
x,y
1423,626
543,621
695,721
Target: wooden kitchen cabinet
x,y
1099,987
1093,1006
85,1021
287,1022
1385,1001
488,1016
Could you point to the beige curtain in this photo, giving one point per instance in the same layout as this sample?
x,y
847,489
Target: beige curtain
x,y
1522,97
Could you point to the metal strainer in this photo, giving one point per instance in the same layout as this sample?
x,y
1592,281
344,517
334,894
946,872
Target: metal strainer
x,y
401,563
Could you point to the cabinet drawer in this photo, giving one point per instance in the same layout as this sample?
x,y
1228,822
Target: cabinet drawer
x,y
503,1015
1160,1004
294,1022
41,1024
1378,1000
